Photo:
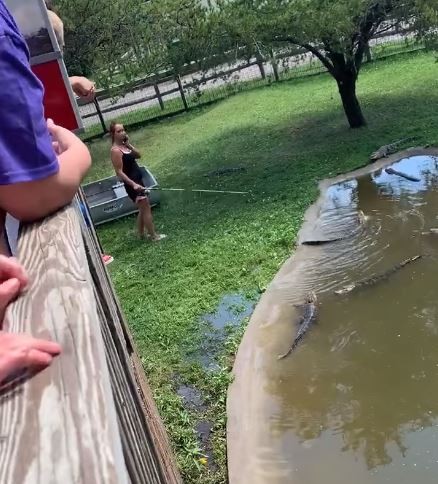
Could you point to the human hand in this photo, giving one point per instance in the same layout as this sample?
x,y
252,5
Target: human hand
x,y
126,140
13,279
62,138
73,156
83,87
138,188
19,352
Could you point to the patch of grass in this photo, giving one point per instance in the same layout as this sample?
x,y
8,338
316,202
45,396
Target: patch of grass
x,y
288,136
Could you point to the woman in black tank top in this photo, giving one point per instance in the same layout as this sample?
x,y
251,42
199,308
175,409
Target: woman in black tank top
x,y
124,157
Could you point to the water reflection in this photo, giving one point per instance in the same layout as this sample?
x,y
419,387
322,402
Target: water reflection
x,y
360,396
424,168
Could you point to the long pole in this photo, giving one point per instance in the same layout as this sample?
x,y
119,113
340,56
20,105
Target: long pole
x,y
195,190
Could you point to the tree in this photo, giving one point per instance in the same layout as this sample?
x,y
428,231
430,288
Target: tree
x,y
125,39
109,40
337,32
192,31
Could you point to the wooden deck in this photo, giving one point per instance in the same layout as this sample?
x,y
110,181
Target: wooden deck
x,y
90,417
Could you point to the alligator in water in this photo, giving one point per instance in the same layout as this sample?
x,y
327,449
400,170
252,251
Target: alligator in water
x,y
310,314
431,232
361,219
324,241
377,278
391,171
387,150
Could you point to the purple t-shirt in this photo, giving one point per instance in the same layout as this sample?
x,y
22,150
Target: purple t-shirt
x,y
26,152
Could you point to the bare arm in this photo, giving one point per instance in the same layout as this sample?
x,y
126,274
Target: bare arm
x,y
34,182
29,201
116,158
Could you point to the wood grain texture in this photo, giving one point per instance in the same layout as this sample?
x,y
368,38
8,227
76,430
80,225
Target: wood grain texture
x,y
146,447
62,425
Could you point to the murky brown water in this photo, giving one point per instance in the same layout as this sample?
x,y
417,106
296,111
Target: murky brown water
x,y
358,400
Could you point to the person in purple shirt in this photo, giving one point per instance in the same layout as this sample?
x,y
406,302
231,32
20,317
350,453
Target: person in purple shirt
x,y
41,167
35,178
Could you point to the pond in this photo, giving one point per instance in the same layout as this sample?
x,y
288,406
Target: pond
x,y
357,400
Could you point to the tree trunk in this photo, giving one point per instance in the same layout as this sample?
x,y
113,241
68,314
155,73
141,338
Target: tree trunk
x,y
368,54
353,111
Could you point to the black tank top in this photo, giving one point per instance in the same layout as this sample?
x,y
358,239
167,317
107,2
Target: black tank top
x,y
131,168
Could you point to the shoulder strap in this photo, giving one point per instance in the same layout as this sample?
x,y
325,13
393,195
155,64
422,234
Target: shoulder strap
x,y
116,148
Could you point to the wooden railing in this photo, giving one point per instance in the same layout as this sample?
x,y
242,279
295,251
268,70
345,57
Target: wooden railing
x,y
90,417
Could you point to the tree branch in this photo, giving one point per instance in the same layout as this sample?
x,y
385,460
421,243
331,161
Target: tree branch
x,y
338,59
387,28
311,49
370,22
358,57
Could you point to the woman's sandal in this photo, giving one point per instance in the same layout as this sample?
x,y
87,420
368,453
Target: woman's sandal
x,y
158,237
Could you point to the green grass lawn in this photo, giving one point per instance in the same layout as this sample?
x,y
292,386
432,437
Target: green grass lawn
x,y
287,136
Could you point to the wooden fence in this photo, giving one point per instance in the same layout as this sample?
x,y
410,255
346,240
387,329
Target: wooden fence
x,y
193,86
161,93
90,417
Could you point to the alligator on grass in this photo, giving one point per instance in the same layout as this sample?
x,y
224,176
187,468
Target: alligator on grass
x,y
387,150
377,278
310,314
226,171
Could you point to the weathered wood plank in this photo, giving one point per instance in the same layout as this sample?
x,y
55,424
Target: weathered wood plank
x,y
61,427
147,451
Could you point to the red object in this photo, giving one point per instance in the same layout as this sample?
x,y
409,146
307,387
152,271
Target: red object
x,y
57,104
107,259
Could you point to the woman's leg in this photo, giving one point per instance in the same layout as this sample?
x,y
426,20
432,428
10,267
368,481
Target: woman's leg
x,y
140,219
147,218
